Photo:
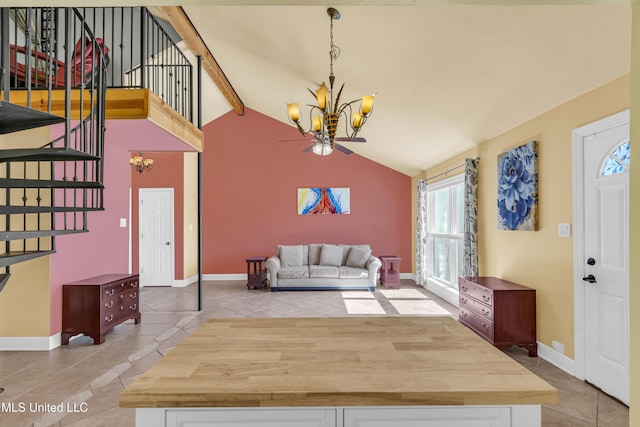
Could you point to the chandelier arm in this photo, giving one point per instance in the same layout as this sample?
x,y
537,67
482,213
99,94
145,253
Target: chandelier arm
x,y
347,104
347,118
312,109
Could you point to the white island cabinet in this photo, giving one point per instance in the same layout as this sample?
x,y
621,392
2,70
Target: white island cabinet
x,y
342,372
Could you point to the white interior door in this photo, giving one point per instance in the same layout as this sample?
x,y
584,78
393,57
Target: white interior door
x,y
605,264
156,236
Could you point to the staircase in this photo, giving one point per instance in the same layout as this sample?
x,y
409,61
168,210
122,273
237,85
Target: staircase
x,y
47,191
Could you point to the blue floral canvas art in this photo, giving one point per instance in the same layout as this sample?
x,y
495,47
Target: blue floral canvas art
x,y
518,188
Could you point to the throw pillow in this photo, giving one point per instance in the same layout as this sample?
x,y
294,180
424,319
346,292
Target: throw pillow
x,y
291,256
331,255
358,257
314,253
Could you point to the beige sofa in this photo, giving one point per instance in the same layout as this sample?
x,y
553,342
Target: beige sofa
x,y
323,266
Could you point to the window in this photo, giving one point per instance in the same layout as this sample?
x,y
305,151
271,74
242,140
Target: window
x,y
618,160
445,231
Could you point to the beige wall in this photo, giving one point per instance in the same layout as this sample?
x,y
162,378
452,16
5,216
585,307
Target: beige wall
x,y
190,215
539,259
634,238
25,300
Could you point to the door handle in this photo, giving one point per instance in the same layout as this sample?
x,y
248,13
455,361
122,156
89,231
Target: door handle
x,y
590,278
168,243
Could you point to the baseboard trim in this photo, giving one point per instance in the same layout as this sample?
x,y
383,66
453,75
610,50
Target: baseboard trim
x,y
30,343
243,276
224,276
558,360
184,283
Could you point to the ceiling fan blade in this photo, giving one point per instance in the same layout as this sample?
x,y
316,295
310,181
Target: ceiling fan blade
x,y
345,150
358,139
296,140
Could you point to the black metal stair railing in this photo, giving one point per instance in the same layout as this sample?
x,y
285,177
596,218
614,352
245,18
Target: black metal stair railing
x,y
47,191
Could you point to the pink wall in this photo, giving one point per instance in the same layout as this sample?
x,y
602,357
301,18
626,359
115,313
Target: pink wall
x,y
105,248
250,185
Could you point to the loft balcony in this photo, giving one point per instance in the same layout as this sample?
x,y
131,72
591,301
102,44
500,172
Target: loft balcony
x,y
148,77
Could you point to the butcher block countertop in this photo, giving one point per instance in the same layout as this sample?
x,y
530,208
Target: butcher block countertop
x,y
352,361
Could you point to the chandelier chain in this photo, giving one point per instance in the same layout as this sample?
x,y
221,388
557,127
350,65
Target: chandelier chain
x,y
334,50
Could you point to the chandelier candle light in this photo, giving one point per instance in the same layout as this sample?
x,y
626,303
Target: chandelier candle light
x,y
140,163
326,115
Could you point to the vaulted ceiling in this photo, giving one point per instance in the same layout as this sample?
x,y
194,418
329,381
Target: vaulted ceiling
x,y
448,74
447,77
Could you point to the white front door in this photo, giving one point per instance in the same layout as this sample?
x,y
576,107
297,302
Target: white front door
x,y
605,263
156,236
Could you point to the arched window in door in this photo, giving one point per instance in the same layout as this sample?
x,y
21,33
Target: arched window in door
x,y
617,161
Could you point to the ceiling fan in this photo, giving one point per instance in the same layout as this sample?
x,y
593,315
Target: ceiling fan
x,y
328,111
324,146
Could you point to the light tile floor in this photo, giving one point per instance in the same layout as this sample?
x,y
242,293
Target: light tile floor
x,y
84,380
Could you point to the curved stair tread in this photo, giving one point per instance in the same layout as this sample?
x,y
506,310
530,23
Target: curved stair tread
x,y
14,118
44,154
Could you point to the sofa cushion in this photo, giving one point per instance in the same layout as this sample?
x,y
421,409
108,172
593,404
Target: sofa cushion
x,y
331,255
347,249
291,256
300,272
314,253
352,273
358,257
325,271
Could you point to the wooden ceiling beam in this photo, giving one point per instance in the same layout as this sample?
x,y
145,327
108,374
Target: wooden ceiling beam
x,y
183,26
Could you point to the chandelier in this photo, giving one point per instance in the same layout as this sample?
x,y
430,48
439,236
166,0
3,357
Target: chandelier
x,y
325,116
140,163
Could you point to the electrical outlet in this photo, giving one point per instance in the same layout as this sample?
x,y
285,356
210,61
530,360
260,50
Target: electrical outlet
x,y
123,222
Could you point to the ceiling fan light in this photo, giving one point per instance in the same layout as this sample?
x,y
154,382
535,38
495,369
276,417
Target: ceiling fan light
x,y
322,95
317,123
294,111
367,104
322,149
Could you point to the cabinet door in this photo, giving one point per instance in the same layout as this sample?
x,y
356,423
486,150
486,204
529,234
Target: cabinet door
x,y
252,418
428,417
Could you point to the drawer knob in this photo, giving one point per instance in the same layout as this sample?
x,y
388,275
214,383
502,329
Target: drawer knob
x,y
109,318
134,285
133,307
464,288
485,327
108,305
485,312
111,292
133,295
486,298
464,300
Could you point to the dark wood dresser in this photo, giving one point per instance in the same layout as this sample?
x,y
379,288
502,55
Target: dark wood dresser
x,y
95,305
502,312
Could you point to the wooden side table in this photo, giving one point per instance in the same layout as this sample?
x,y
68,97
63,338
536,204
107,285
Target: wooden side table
x,y
390,271
256,272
